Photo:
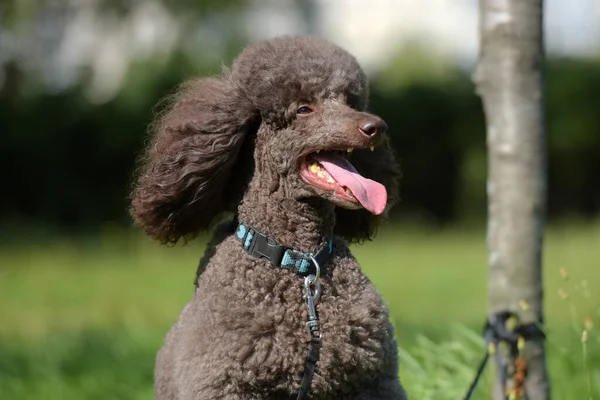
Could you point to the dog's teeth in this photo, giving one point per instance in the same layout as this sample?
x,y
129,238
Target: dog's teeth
x,y
330,180
320,174
372,148
348,191
349,150
318,151
314,168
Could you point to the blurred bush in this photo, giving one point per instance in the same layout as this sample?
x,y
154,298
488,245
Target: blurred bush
x,y
68,162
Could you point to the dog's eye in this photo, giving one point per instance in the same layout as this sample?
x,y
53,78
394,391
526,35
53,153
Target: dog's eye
x,y
304,110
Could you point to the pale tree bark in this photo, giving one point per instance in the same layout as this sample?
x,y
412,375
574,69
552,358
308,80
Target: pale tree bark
x,y
509,78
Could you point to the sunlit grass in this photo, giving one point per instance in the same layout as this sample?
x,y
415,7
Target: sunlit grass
x,y
80,315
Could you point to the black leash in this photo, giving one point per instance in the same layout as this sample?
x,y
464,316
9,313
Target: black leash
x,y
480,370
307,265
314,332
309,369
495,332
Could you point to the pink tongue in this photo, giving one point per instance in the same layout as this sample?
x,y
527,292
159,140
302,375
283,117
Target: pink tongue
x,y
372,195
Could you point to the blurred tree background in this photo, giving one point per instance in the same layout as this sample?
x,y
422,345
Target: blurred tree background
x,y
85,300
80,83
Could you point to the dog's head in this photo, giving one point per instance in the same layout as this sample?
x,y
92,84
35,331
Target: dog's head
x,y
290,112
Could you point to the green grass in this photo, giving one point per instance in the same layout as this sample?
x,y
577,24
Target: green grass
x,y
83,318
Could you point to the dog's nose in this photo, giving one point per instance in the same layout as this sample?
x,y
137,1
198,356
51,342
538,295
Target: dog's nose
x,y
372,126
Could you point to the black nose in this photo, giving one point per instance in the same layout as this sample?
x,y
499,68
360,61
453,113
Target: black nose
x,y
372,126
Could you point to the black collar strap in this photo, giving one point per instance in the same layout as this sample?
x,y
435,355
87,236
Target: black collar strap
x,y
259,245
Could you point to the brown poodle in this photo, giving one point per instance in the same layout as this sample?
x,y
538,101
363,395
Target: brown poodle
x,y
282,142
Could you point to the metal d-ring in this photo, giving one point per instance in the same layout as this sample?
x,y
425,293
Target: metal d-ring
x,y
314,281
317,269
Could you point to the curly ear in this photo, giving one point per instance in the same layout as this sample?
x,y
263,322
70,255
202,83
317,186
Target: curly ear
x,y
199,145
381,166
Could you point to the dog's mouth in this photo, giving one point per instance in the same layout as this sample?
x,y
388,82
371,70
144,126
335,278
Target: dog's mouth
x,y
332,172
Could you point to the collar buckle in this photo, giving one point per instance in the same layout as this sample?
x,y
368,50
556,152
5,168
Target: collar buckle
x,y
264,247
267,248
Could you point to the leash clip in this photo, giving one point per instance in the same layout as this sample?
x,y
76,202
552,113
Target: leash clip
x,y
312,297
312,287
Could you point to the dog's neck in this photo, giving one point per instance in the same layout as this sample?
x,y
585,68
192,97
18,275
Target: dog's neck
x,y
302,224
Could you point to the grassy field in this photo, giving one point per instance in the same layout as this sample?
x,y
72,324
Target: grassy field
x,y
83,318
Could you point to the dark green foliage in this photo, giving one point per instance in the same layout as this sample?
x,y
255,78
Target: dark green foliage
x,y
70,161
432,128
574,134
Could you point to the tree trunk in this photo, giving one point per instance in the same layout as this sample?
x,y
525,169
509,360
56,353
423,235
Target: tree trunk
x,y
509,78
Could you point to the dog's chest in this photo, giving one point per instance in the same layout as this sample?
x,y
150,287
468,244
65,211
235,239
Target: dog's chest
x,y
265,329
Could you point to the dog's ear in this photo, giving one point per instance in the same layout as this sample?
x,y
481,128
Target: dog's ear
x,y
379,165
198,162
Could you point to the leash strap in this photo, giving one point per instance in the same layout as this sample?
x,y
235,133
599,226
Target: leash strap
x,y
480,370
312,294
262,246
489,339
309,369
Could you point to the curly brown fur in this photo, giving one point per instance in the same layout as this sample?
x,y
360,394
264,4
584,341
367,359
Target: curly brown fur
x,y
238,143
193,153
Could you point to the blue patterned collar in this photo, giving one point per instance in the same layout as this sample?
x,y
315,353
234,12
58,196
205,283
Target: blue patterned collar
x,y
259,245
